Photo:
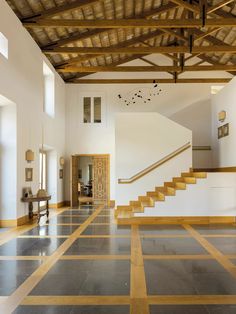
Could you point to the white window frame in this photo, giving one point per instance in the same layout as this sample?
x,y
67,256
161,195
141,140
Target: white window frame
x,y
3,46
48,91
103,108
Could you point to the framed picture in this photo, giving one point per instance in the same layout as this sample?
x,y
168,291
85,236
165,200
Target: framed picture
x,y
61,173
225,129
220,132
28,174
80,173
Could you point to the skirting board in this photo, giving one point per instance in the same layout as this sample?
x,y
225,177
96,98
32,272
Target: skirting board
x,y
57,205
177,220
24,219
9,223
221,169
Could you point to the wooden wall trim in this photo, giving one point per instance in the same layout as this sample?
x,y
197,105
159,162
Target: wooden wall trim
x,y
220,169
57,205
177,220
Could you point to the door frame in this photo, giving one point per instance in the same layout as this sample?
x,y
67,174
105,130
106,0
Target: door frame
x,y
107,178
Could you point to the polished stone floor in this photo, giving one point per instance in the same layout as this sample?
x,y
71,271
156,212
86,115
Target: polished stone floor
x,y
81,262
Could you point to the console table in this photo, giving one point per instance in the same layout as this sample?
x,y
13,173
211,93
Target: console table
x,y
35,199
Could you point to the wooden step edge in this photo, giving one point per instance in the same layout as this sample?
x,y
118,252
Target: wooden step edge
x,y
181,185
178,179
144,198
124,216
138,209
176,185
152,193
134,203
190,180
200,175
186,174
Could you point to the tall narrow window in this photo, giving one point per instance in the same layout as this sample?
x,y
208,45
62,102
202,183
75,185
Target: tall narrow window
x,y
3,46
92,110
97,109
87,109
42,170
49,90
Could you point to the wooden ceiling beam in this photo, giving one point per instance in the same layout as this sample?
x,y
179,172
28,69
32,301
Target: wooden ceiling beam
x,y
211,10
218,6
207,33
149,81
131,23
126,43
143,50
75,37
79,37
152,68
78,4
190,7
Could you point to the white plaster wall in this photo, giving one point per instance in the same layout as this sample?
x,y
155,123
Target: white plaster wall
x,y
94,139
7,161
224,153
21,81
52,174
197,117
141,140
214,196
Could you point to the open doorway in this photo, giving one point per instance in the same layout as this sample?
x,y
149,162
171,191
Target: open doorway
x,y
85,176
90,179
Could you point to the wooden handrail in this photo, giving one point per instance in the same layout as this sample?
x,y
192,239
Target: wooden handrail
x,y
155,165
201,147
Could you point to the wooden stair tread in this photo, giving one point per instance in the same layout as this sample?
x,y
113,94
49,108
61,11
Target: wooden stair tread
x,y
151,197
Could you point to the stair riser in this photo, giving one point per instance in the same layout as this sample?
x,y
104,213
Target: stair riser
x,y
152,197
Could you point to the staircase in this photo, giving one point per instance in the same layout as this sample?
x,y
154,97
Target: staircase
x,y
124,213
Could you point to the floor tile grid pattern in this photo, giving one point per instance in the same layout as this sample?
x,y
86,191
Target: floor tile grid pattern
x,y
159,299
8,305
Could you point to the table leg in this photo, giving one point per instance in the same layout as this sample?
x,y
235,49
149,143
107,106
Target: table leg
x,y
47,211
38,212
30,206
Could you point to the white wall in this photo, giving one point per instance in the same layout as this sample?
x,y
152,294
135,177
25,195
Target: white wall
x,y
52,174
21,81
224,152
197,117
7,161
142,139
94,139
214,196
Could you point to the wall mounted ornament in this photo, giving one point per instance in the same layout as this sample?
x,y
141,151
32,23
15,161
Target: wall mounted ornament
x,y
141,95
62,161
29,155
222,115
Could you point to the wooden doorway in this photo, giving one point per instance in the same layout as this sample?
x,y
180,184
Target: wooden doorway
x,y
100,178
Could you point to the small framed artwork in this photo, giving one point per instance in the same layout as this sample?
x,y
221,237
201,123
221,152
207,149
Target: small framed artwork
x,y
80,173
225,129
220,132
61,173
28,174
